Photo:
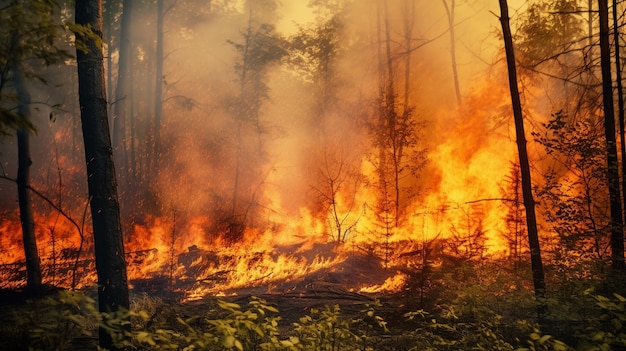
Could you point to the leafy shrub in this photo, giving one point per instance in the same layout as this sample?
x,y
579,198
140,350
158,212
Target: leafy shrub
x,y
51,323
66,319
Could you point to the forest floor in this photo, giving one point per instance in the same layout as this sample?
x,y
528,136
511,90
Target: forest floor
x,y
456,305
333,288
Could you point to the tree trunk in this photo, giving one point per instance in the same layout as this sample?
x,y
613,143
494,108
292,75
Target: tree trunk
x,y
158,87
527,193
455,75
121,99
590,27
33,264
391,119
620,98
107,231
617,234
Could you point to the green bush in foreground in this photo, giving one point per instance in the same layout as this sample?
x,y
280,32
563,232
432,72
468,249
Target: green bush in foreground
x,y
69,320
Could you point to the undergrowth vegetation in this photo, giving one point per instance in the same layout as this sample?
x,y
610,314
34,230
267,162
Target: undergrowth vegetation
x,y
69,320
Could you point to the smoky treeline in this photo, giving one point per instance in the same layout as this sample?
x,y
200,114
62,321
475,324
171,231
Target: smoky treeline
x,y
355,121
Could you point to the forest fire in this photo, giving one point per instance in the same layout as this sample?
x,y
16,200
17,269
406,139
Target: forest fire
x,y
179,253
208,168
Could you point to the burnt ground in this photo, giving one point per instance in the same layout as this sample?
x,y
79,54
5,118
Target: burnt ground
x,y
294,298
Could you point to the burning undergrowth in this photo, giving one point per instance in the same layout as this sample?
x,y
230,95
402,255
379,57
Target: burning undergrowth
x,y
217,268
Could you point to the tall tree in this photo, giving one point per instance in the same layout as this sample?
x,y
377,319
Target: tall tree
x,y
527,192
315,53
121,102
260,48
620,99
394,127
450,8
158,85
28,42
617,230
33,265
102,185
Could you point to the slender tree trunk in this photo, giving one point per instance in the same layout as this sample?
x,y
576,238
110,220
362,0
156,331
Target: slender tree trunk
x,y
133,165
617,233
33,264
590,27
234,210
391,118
120,110
527,193
409,22
620,97
158,86
109,40
102,184
455,75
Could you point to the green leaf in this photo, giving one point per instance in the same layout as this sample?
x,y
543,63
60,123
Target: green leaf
x,y
271,309
598,336
228,341
543,339
145,337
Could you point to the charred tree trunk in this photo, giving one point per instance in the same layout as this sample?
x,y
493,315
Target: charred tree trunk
x,y
33,264
617,233
107,231
527,193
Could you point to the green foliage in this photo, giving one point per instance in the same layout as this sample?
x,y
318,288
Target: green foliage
x,y
51,323
577,211
11,120
255,328
29,38
454,330
325,330
66,319
604,329
608,332
548,29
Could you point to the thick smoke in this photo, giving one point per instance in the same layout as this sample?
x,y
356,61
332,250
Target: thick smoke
x,y
244,158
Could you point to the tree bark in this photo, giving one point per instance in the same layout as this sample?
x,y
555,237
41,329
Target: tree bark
x,y
527,194
617,233
33,264
107,231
